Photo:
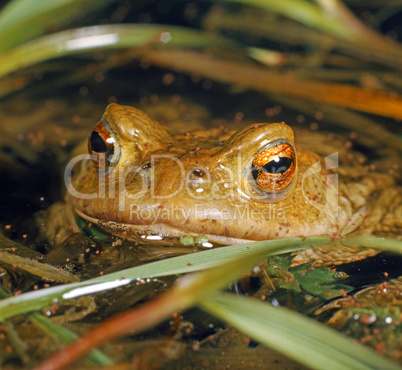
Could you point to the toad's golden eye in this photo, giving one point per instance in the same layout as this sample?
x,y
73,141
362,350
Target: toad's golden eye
x,y
102,146
273,169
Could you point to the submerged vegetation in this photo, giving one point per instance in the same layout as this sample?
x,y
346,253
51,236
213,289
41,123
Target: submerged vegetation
x,y
324,58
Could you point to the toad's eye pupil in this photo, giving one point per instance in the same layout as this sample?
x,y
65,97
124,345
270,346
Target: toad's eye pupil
x,y
273,167
279,166
103,146
98,145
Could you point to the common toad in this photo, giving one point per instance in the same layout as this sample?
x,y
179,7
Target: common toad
x,y
143,184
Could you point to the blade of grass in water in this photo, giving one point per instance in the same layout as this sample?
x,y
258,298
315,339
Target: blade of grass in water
x,y
183,264
57,332
22,20
332,17
369,241
285,31
304,12
178,265
18,345
64,335
189,290
88,39
292,334
183,294
250,76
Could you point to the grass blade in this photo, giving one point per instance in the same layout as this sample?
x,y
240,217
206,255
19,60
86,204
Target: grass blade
x,y
293,335
196,289
96,357
371,241
304,12
334,18
22,20
102,37
178,265
247,75
185,293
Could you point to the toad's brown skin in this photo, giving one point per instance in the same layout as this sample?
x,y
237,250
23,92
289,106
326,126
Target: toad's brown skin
x,y
145,184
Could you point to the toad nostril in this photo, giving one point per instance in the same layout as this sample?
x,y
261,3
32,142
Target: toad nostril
x,y
197,172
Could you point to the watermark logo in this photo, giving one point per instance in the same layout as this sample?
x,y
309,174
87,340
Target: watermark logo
x,y
199,211
330,207
127,186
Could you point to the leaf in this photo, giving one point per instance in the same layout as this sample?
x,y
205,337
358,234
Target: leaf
x,y
282,262
335,290
291,285
311,280
92,232
302,278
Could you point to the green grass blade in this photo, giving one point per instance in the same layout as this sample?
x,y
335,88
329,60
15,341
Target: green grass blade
x,y
58,332
22,20
178,265
187,291
332,17
102,37
292,334
371,241
96,357
305,12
